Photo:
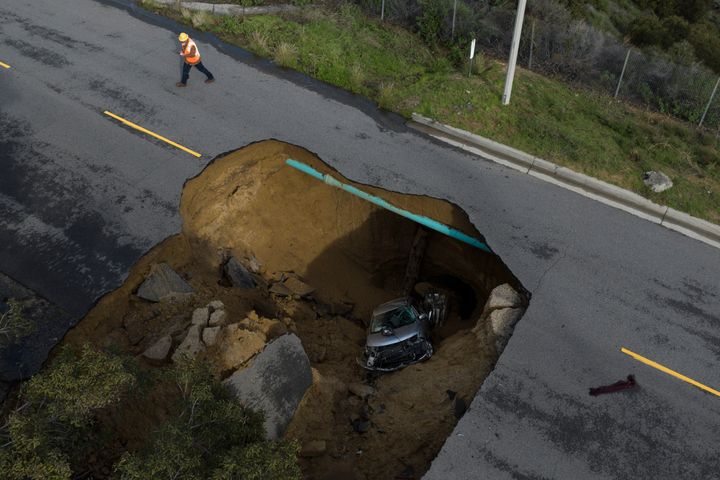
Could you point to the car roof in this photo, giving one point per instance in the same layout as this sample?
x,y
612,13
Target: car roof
x,y
391,305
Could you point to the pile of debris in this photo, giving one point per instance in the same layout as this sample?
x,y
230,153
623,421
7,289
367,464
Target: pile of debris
x,y
262,361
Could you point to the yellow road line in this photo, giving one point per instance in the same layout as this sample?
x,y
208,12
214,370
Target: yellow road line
x,y
4,65
646,361
152,134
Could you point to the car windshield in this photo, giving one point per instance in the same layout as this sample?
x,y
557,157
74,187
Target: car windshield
x,y
393,319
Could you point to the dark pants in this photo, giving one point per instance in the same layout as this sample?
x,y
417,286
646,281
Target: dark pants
x,y
199,66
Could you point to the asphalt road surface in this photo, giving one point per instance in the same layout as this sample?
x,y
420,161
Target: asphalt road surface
x,y
82,198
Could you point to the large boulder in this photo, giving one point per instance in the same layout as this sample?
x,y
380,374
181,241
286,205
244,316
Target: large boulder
x,y
209,335
502,322
268,327
238,275
216,305
236,345
217,318
298,287
275,383
159,350
503,296
162,284
190,346
657,181
200,316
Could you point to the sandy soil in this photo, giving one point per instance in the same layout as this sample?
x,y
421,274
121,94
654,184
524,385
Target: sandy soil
x,y
250,204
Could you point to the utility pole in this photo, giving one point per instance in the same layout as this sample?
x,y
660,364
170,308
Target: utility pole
x,y
707,107
514,52
382,11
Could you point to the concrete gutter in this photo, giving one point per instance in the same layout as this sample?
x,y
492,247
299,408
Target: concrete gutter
x,y
577,182
229,9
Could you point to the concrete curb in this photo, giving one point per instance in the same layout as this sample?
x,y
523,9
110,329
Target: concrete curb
x,y
230,9
603,192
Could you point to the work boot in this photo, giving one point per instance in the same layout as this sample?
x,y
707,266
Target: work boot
x,y
210,80
180,84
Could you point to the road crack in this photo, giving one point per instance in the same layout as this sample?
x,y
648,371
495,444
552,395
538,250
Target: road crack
x,y
547,270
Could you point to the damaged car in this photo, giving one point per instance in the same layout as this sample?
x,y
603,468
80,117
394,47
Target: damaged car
x,y
399,332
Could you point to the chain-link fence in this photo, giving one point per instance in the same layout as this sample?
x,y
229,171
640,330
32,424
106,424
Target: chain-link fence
x,y
555,44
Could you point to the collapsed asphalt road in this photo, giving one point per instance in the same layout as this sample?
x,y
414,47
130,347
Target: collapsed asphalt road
x,y
81,198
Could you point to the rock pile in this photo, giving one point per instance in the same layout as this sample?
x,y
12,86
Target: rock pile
x,y
210,317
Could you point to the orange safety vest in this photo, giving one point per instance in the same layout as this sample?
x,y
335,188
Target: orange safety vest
x,y
195,59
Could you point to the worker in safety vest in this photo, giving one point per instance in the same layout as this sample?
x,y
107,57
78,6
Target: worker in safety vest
x,y
191,54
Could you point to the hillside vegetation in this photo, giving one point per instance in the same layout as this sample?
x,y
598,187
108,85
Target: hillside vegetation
x,y
687,28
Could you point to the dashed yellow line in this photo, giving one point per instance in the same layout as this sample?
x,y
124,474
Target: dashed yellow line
x,y
152,134
4,65
682,377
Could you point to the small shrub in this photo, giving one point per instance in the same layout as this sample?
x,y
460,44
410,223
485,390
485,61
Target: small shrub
x,y
646,31
674,29
708,156
75,387
357,77
172,456
260,461
200,19
433,19
386,94
259,42
207,405
646,93
477,64
706,43
286,54
186,13
440,65
349,13
457,56
230,25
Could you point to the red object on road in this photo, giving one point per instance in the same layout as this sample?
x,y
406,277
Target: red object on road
x,y
615,387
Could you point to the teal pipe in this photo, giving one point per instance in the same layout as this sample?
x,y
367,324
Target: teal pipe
x,y
422,220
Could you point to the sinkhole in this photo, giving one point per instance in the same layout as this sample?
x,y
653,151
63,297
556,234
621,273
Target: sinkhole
x,y
249,204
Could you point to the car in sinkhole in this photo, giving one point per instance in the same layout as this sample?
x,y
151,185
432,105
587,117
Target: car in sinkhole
x,y
399,332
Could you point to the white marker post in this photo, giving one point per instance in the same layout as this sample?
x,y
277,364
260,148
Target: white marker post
x,y
472,54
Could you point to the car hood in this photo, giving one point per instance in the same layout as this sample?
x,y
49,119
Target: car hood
x,y
399,335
